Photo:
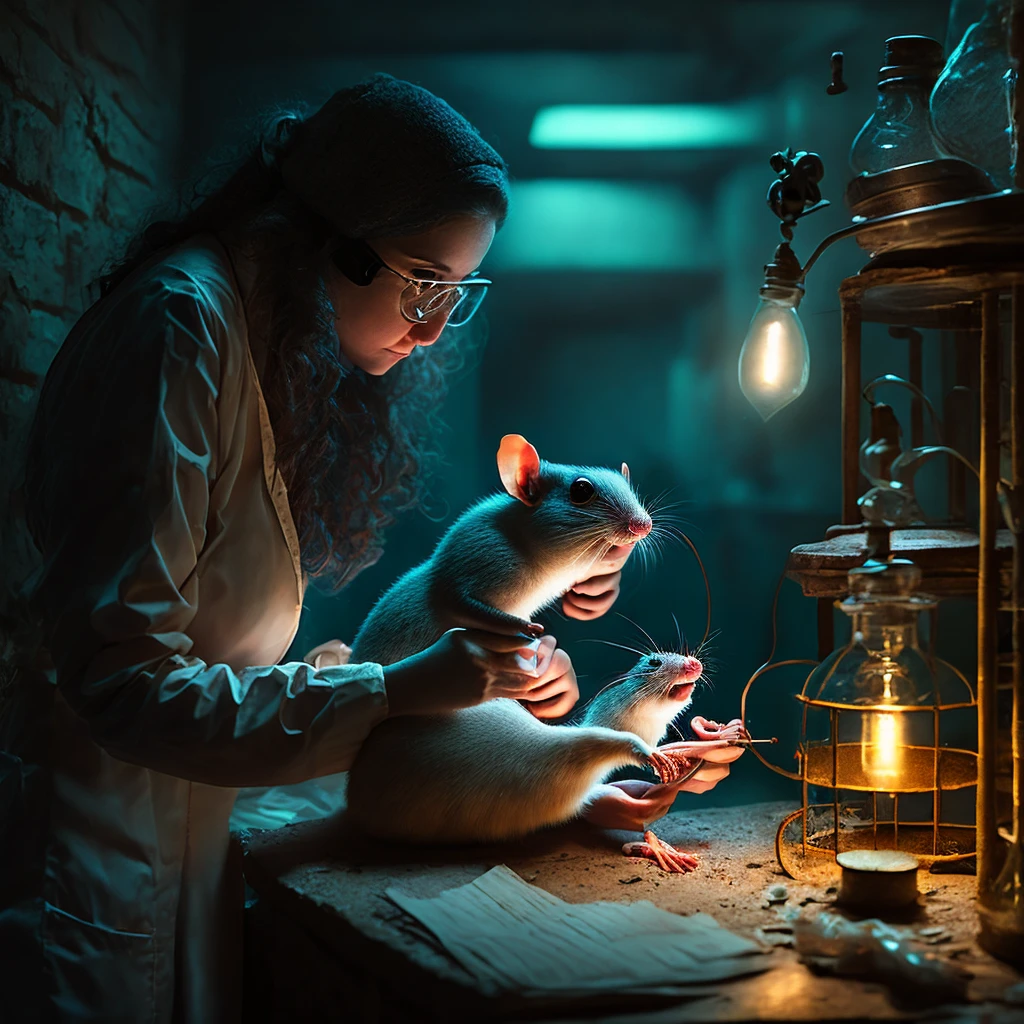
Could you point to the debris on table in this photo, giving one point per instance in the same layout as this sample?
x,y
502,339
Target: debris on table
x,y
774,894
875,951
513,936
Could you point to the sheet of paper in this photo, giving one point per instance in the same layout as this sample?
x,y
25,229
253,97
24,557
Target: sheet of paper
x,y
514,936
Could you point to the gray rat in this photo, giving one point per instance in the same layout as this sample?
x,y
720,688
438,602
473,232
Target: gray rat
x,y
493,771
508,555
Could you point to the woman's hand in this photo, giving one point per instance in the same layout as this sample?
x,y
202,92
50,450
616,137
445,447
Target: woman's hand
x,y
631,805
634,804
705,729
333,652
466,667
555,691
590,598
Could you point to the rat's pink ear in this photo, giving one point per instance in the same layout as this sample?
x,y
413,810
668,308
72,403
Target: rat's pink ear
x,y
519,468
625,472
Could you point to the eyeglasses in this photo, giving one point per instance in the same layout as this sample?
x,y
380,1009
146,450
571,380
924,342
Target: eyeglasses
x,y
422,300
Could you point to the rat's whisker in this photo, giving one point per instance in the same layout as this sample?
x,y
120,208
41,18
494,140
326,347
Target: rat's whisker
x,y
679,632
647,636
611,643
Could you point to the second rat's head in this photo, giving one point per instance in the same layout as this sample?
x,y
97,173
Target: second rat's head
x,y
646,699
575,508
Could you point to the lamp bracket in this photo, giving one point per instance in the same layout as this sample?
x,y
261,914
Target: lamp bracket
x,y
795,192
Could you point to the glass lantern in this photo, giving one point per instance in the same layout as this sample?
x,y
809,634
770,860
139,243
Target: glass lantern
x,y
885,756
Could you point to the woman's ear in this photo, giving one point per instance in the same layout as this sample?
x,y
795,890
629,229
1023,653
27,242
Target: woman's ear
x,y
519,468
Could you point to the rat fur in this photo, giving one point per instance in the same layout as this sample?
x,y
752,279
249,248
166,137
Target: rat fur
x,y
508,555
495,772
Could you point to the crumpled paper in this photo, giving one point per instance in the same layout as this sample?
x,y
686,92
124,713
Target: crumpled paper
x,y
512,936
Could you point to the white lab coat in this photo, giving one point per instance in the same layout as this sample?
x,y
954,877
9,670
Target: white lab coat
x,y
170,586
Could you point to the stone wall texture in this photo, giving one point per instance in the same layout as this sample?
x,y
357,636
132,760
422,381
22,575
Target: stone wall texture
x,y
89,101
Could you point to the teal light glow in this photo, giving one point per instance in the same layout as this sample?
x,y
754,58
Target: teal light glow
x,y
573,223
654,126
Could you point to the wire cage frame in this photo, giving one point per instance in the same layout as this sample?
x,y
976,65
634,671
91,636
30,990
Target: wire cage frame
x,y
820,830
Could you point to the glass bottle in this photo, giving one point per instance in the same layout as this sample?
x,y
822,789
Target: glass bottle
x,y
970,104
899,132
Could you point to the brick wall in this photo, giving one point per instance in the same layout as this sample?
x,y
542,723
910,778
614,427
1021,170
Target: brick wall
x,y
89,95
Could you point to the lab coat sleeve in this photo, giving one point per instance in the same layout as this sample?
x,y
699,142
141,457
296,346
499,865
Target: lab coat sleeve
x,y
119,496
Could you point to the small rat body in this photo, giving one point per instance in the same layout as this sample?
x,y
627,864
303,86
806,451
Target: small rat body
x,y
508,555
495,772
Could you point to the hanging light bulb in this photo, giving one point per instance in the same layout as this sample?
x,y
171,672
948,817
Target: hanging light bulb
x,y
775,361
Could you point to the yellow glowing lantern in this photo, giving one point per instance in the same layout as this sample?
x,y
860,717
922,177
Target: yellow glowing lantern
x,y
886,733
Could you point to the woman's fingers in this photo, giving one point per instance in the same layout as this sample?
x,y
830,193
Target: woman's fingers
x,y
478,615
333,652
500,644
615,557
583,606
505,655
554,707
705,779
723,755
611,806
598,586
555,692
573,611
706,729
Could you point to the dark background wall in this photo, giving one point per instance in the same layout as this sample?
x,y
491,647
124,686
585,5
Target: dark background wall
x,y
89,118
625,280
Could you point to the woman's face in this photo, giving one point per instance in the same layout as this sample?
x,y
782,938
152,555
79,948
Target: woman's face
x,y
371,330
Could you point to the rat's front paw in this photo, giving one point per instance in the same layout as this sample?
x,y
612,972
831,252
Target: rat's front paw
x,y
670,766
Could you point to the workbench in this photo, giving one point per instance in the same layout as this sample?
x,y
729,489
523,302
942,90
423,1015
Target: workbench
x,y
324,943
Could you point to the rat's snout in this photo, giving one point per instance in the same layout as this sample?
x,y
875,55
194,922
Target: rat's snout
x,y
691,669
685,671
639,526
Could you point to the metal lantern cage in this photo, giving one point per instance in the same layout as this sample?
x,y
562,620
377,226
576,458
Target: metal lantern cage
x,y
885,753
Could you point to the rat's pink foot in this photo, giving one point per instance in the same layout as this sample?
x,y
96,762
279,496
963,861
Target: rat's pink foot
x,y
669,765
667,857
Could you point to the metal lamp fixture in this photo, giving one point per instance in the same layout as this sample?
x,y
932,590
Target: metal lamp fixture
x,y
775,362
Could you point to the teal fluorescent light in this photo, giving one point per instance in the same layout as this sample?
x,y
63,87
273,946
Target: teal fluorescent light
x,y
652,126
577,224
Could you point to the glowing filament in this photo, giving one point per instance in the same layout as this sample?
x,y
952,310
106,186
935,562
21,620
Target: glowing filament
x,y
881,755
771,368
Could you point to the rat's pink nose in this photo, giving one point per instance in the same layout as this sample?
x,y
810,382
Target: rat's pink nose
x,y
692,668
640,527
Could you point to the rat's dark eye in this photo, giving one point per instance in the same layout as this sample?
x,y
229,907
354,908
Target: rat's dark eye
x,y
581,491
654,662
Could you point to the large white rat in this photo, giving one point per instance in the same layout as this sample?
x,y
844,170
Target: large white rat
x,y
494,771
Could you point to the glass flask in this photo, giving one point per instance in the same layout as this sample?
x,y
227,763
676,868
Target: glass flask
x,y
970,104
899,132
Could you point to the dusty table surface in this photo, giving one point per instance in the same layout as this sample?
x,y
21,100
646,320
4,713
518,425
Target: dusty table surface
x,y
332,883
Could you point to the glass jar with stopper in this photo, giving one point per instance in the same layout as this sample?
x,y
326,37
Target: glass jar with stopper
x,y
899,132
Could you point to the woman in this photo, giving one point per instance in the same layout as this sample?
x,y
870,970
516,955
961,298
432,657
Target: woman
x,y
247,406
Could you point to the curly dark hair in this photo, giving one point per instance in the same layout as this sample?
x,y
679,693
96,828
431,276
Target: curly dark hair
x,y
353,449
